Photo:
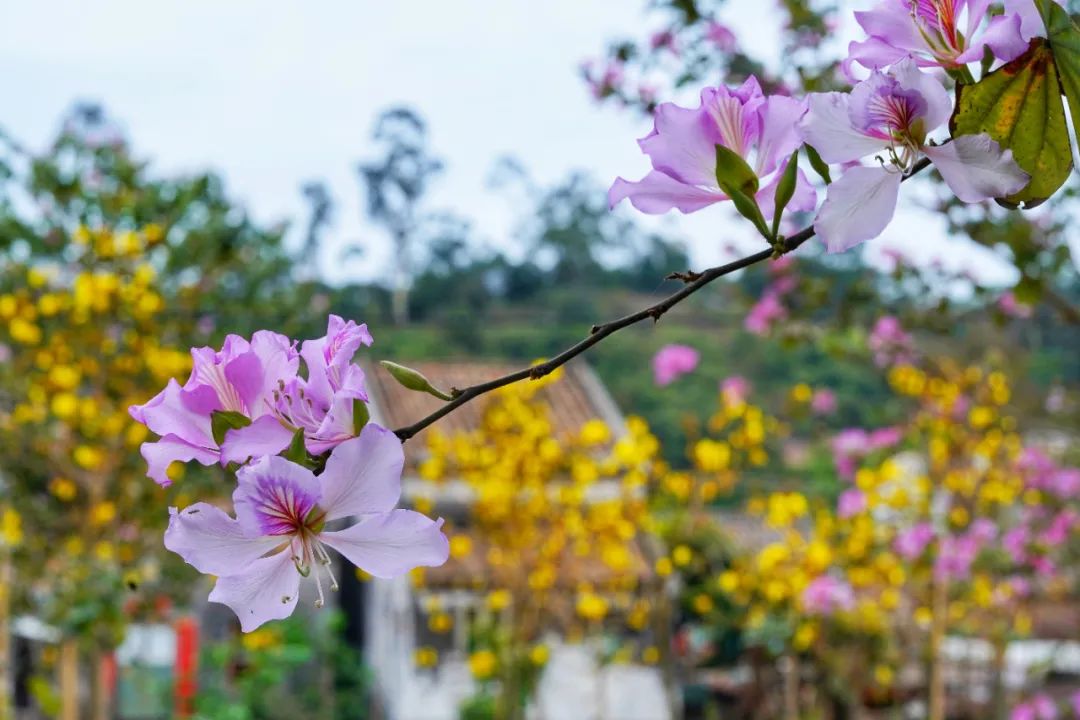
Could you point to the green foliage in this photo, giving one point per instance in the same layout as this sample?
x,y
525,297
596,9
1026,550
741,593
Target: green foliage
x,y
297,668
481,706
222,421
1019,106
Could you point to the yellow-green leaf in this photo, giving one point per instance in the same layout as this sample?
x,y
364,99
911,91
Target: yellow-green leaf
x,y
1064,39
1020,106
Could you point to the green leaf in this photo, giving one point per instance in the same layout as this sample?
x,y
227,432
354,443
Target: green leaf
x,y
360,416
732,171
413,380
820,166
222,421
1065,45
1019,105
297,450
785,190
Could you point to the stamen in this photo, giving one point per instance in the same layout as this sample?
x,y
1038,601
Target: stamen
x,y
328,565
321,600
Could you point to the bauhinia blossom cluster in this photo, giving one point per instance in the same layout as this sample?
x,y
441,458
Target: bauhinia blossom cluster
x,y
245,406
878,133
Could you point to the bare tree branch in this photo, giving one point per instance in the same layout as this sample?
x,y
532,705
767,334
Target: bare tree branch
x,y
694,282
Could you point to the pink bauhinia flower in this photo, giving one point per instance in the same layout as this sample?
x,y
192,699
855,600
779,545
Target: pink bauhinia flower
x,y
682,149
279,535
322,405
937,33
258,381
890,115
673,361
240,378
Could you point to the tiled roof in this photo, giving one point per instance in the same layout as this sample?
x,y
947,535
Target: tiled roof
x,y
577,398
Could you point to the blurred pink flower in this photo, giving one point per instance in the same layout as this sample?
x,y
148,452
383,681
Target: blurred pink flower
x,y
1010,306
721,36
823,402
889,343
735,389
826,595
852,502
912,542
672,361
765,312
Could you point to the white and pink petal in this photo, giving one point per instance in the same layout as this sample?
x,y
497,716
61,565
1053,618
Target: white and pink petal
x,y
657,193
363,475
212,542
169,449
266,590
390,544
827,128
858,207
975,168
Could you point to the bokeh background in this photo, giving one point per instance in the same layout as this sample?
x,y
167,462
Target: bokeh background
x,y
860,502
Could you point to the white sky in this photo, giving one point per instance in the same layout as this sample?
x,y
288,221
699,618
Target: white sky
x,y
273,94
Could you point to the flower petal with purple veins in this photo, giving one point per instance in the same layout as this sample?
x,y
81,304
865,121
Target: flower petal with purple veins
x,y
975,168
363,475
267,590
857,207
827,128
943,33
732,118
392,543
913,80
274,496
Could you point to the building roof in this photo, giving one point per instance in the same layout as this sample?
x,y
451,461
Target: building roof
x,y
577,398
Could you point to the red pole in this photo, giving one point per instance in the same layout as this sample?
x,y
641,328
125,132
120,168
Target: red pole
x,y
187,665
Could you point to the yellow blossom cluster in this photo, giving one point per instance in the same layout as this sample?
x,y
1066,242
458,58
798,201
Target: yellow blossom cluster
x,y
85,340
553,538
914,547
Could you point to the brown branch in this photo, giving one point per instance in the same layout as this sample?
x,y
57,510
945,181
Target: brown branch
x,y
599,332
1067,311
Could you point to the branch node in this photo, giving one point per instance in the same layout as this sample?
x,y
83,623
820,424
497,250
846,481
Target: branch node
x,y
687,277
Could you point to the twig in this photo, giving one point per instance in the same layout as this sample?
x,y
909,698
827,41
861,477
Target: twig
x,y
1067,311
599,332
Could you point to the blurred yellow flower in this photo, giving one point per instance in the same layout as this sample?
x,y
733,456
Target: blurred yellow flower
x,y
482,664
539,654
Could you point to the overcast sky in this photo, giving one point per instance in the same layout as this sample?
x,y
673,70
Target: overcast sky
x,y
274,93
